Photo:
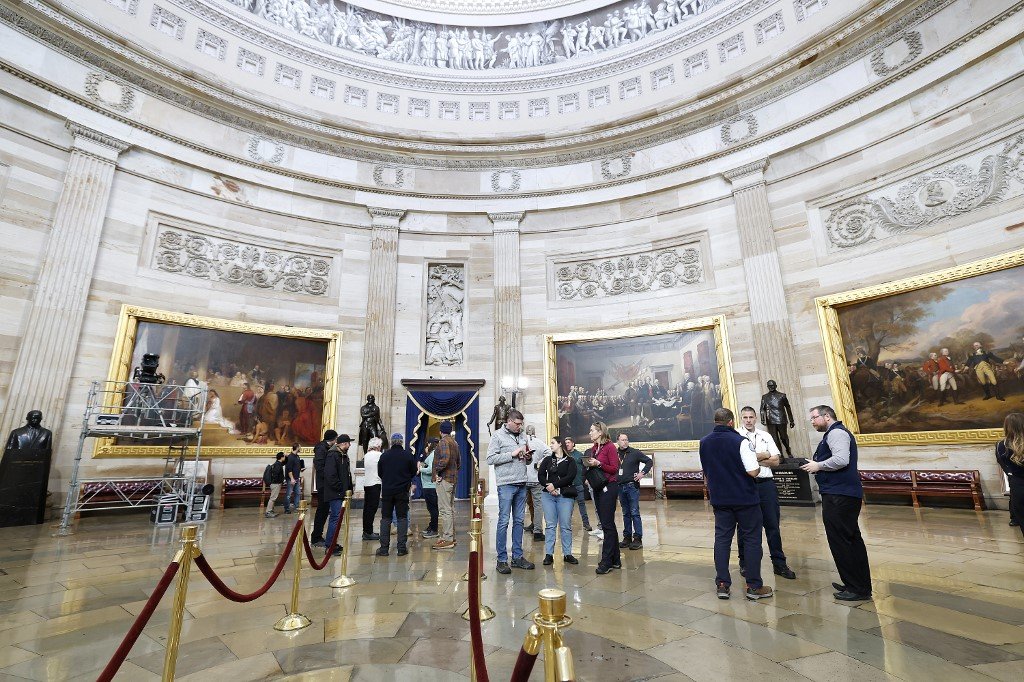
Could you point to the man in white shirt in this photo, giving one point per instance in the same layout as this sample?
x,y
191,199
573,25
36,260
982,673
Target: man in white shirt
x,y
768,456
371,488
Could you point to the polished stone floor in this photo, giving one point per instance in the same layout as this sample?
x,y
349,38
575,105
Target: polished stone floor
x,y
948,605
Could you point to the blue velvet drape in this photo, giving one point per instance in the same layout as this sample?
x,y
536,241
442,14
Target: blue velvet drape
x,y
464,408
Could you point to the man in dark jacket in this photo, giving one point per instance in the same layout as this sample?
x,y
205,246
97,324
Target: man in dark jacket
x,y
634,464
396,469
319,459
293,479
337,482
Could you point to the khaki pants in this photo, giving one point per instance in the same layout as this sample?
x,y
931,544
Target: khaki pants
x,y
445,508
275,490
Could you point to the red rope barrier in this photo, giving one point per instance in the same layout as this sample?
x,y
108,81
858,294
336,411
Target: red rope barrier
x,y
114,664
476,637
203,565
321,565
524,666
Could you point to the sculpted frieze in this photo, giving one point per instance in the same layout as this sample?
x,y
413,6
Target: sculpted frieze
x,y
446,315
969,183
395,39
629,274
234,262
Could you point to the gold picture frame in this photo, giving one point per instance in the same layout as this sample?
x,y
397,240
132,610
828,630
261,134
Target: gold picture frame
x,y
121,367
715,323
828,309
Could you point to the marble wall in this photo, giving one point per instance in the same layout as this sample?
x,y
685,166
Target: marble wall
x,y
967,100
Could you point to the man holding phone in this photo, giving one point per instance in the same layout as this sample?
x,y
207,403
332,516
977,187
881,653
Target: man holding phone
x,y
509,453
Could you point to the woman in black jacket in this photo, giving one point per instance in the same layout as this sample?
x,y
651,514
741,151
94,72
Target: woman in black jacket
x,y
556,474
1010,456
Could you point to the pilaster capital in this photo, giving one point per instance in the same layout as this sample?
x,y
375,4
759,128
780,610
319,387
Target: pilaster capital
x,y
747,175
506,222
90,141
385,217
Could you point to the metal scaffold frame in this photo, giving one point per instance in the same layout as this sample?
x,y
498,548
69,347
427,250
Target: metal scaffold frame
x,y
153,413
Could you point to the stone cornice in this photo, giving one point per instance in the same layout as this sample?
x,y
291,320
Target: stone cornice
x,y
506,218
94,142
746,175
385,218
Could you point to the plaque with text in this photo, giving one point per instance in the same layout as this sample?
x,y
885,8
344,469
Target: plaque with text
x,y
794,487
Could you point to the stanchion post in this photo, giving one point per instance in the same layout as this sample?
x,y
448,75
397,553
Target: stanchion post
x,y
344,580
551,619
474,500
189,550
295,620
475,545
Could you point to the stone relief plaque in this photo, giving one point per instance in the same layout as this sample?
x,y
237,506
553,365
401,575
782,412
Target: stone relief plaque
x,y
446,315
987,176
229,261
634,273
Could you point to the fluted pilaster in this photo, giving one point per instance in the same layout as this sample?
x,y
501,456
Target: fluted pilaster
x,y
379,338
508,310
769,314
49,345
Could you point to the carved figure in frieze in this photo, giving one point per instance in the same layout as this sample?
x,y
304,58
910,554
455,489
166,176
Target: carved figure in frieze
x,y
583,33
569,40
490,54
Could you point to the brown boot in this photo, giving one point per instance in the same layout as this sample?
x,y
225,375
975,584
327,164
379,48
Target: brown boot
x,y
762,592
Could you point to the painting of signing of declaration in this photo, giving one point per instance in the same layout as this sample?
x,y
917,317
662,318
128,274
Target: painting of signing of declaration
x,y
656,388
944,357
266,386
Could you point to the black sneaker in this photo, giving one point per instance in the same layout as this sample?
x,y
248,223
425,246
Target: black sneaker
x,y
784,571
626,541
368,537
382,552
503,568
846,595
723,590
602,570
538,537
337,550
637,543
587,527
617,565
548,560
839,587
522,563
570,559
403,551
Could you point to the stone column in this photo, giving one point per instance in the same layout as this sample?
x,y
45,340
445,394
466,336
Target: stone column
x,y
49,346
769,315
508,311
379,337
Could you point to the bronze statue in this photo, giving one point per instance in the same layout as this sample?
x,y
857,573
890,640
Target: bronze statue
x,y
370,425
24,473
499,416
775,411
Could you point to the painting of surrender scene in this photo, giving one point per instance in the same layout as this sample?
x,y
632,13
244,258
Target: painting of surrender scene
x,y
661,387
262,390
944,357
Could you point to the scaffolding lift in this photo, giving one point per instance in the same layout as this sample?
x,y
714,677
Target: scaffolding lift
x,y
143,413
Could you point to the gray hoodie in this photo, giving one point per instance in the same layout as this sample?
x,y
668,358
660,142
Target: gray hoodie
x,y
540,451
499,455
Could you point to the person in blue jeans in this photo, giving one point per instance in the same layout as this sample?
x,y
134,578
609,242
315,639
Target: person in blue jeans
x,y
509,453
556,474
581,492
632,468
293,477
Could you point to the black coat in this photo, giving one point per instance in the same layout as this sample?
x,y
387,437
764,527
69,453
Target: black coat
x,y
337,476
561,474
396,469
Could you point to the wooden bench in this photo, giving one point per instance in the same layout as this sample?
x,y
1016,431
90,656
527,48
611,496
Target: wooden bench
x,y
248,488
924,483
135,491
687,482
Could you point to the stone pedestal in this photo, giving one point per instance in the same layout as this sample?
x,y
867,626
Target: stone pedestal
x,y
23,480
795,488
379,336
769,314
49,345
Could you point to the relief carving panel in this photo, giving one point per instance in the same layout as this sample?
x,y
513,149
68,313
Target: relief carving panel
x,y
233,262
446,315
984,177
635,273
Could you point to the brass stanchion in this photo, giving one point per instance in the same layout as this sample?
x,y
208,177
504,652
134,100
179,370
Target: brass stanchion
x,y
184,557
295,620
551,618
475,545
344,580
475,508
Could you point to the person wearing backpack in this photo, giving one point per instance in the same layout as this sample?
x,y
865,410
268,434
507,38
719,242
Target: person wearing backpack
x,y
273,476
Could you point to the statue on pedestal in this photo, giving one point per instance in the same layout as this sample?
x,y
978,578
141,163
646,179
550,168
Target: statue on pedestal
x,y
499,416
370,425
775,412
24,472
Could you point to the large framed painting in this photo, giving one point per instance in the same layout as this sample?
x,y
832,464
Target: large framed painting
x,y
268,386
659,384
937,358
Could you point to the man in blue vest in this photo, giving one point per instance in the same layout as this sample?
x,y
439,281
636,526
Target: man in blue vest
x,y
730,467
835,466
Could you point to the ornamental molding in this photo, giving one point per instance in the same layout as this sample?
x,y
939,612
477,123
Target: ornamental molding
x,y
387,214
80,131
199,106
617,166
507,217
650,270
987,176
754,167
264,150
506,181
910,42
231,261
99,87
443,342
739,129
390,177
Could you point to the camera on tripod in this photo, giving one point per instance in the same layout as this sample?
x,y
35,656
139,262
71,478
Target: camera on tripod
x,y
146,373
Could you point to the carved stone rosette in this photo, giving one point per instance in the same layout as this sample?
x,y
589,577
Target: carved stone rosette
x,y
231,262
630,274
